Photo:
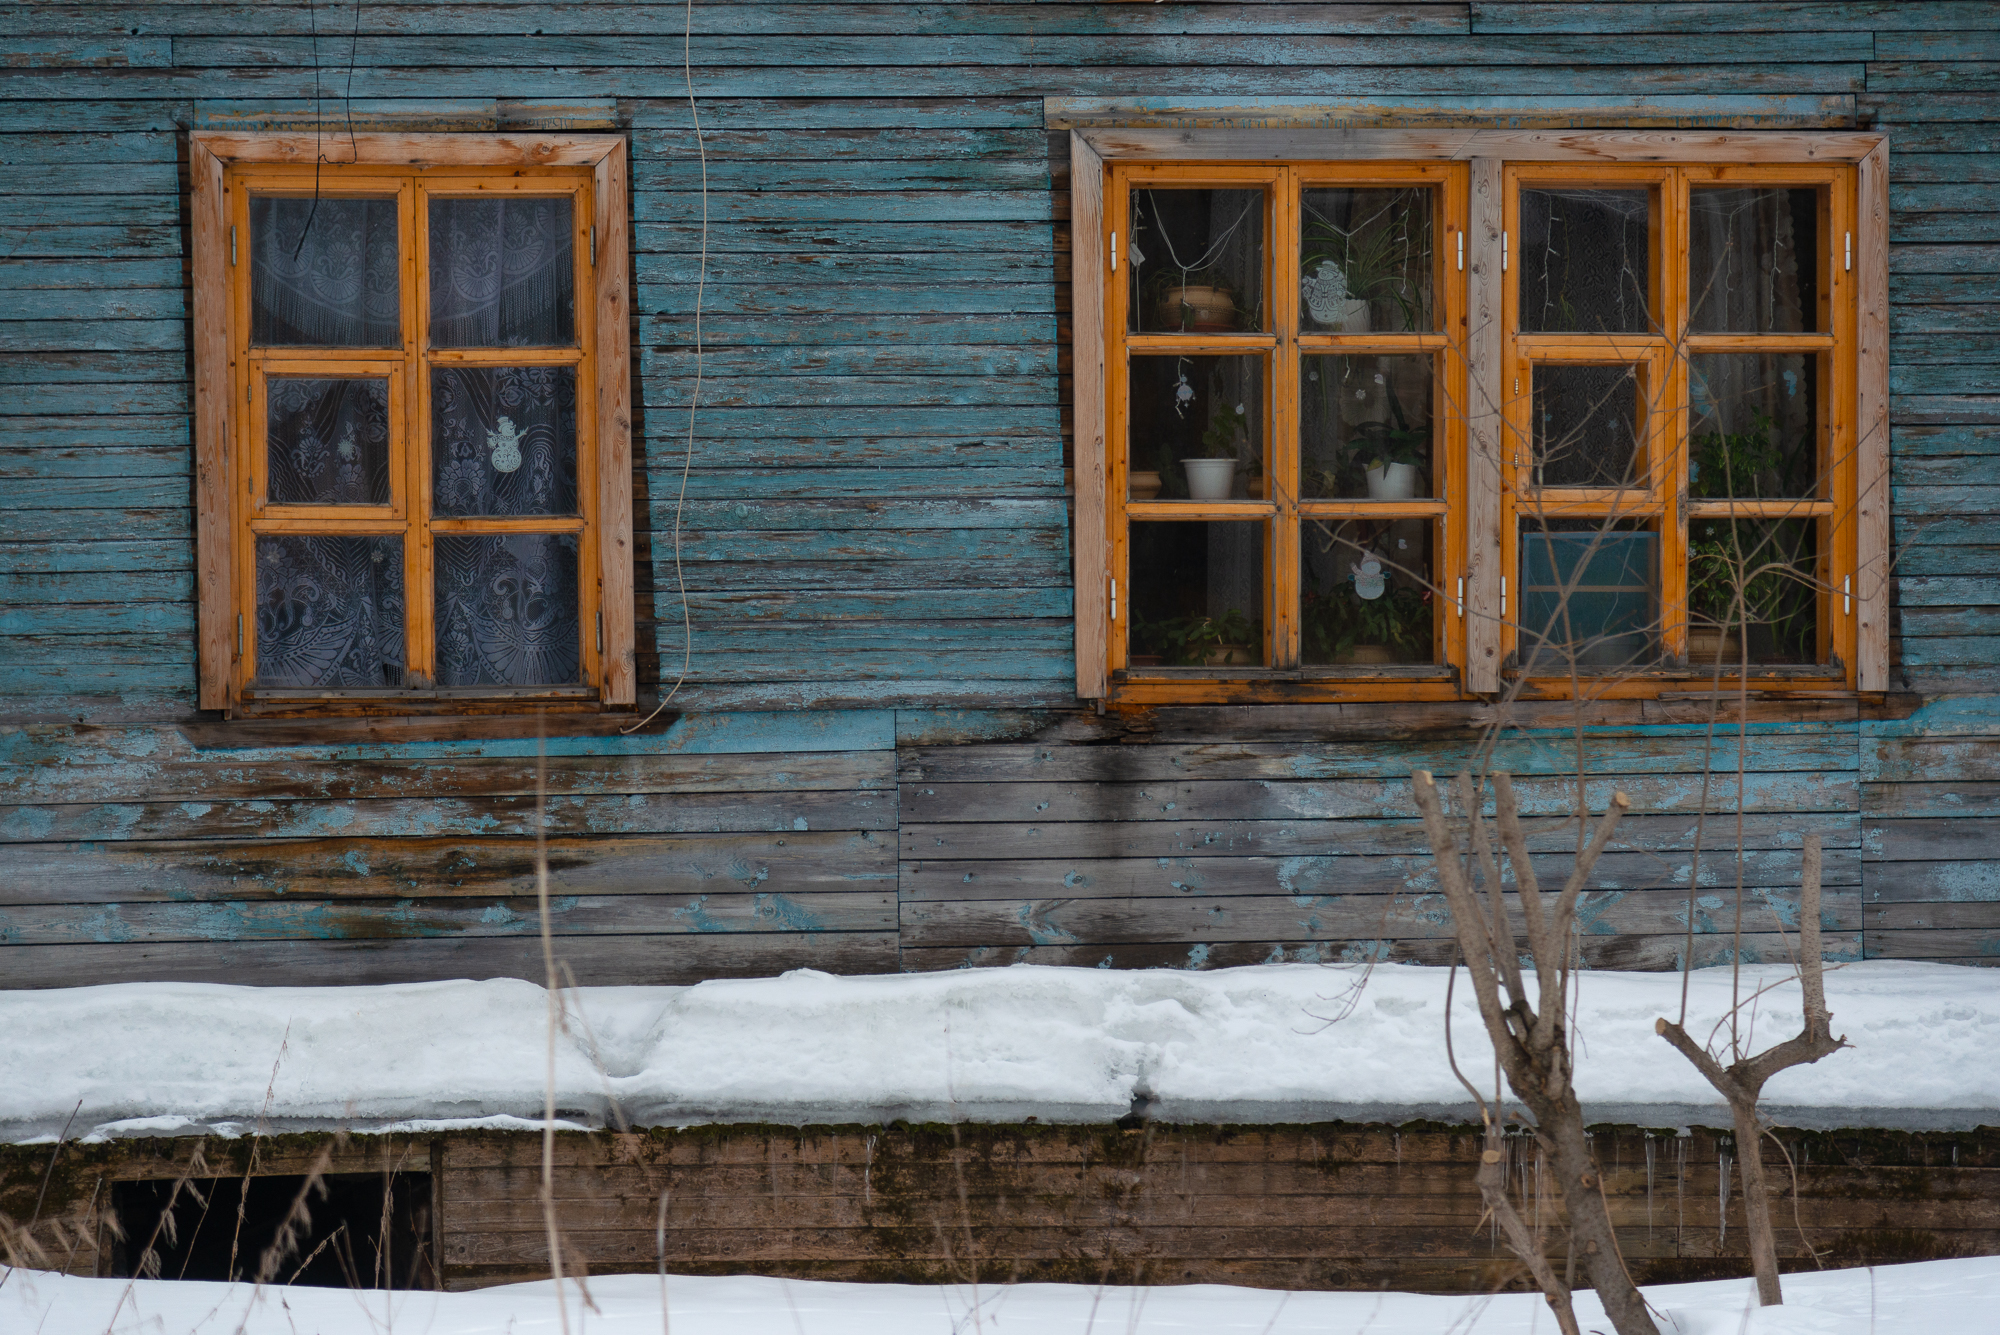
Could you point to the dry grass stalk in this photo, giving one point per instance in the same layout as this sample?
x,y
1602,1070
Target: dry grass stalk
x,y
1742,1082
1527,1027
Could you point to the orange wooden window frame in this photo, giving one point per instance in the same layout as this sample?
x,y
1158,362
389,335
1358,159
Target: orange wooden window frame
x,y
1849,168
1283,349
231,376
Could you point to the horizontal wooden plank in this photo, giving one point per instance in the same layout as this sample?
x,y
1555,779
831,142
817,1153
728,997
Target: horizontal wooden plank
x,y
693,813
221,779
1931,759
1710,17
1973,916
57,146
1971,882
21,52
837,601
792,864
1030,544
423,916
1309,838
869,16
595,961
1342,799
1549,754
963,483
1965,946
835,515
670,244
1924,839
103,241
1599,952
856,359
18,559
1331,917
1308,877
1972,798
143,585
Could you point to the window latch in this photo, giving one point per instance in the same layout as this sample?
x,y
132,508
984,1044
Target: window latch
x,y
1114,252
593,246
239,635
600,633
232,245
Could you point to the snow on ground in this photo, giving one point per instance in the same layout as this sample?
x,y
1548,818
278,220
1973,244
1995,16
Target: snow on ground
x,y
1934,1297
1269,1043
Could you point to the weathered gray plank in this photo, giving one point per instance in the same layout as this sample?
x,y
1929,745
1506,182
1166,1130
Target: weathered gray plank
x,y
1970,882
595,961
1949,839
1963,945
792,863
1297,838
420,916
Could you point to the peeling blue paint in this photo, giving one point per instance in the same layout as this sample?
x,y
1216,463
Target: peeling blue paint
x,y
1036,920
1198,956
695,914
786,913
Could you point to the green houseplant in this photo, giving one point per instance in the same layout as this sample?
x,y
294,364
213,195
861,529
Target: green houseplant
x,y
1340,626
1199,640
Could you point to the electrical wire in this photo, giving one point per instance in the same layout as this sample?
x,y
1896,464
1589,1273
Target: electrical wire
x,y
694,398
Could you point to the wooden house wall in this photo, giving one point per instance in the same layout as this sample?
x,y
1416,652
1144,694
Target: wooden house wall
x,y
882,765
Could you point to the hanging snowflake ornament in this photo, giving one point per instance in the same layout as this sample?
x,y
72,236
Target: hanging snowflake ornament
x,y
1368,581
1183,391
505,443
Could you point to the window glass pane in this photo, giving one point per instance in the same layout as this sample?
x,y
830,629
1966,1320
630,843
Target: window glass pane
x,y
1589,594
1365,427
1752,584
507,609
1365,261
323,273
1584,261
502,273
1753,260
503,440
327,441
1366,594
1196,260
1197,595
329,611
1755,425
1196,428
1586,426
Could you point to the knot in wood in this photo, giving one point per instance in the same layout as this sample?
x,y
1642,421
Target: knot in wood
x,y
1490,1156
1588,1179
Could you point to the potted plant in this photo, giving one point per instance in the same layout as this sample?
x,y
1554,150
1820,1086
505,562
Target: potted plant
x,y
1212,476
1735,465
1195,300
1198,640
1391,457
1343,626
1344,275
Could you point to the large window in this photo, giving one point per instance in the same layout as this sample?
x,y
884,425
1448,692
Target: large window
x,y
429,494
1410,429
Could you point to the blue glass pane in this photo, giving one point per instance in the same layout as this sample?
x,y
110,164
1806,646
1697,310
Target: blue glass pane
x,y
327,441
503,440
1588,597
507,612
329,611
503,273
323,273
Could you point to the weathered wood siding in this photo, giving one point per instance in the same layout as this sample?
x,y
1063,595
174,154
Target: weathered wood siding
x,y
1298,1207
870,522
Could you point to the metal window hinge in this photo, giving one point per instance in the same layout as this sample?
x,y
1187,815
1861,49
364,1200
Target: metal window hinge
x,y
232,245
1114,252
1461,252
1503,252
239,635
246,391
1114,599
1503,596
1850,252
600,632
1847,596
593,246
1461,597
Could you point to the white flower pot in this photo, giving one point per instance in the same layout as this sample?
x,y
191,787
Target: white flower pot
x,y
1352,317
1392,482
1210,479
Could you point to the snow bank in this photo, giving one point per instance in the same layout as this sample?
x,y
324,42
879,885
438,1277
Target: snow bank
x,y
1935,1297
1272,1043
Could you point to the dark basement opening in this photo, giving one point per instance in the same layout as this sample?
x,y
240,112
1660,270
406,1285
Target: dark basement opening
x,y
352,1230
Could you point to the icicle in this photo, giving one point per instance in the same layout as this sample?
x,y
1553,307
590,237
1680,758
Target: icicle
x,y
868,1173
1649,1186
1722,1198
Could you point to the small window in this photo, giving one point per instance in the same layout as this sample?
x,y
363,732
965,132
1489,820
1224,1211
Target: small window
x,y
424,376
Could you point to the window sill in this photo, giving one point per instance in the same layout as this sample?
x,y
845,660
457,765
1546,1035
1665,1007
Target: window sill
x,y
389,728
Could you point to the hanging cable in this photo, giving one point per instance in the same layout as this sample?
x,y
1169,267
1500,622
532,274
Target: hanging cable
x,y
694,398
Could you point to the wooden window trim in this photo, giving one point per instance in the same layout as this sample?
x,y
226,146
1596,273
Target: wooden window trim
x,y
216,410
1865,553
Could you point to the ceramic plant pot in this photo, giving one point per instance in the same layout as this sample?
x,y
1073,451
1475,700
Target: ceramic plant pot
x,y
1208,309
1392,482
1142,486
1371,654
1229,655
1709,645
1209,479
